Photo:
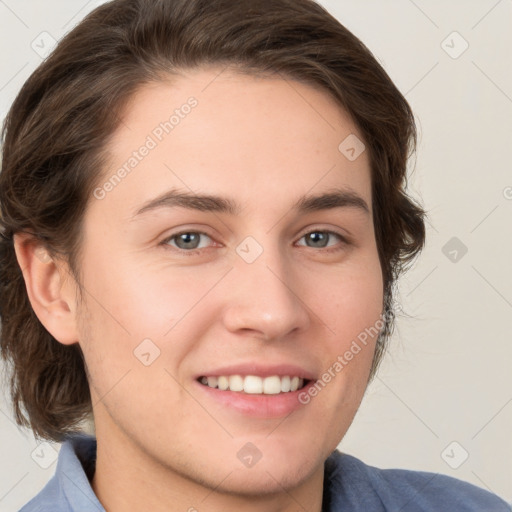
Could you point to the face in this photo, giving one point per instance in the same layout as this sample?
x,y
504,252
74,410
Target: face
x,y
259,285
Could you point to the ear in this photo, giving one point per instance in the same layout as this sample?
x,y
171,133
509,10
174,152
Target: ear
x,y
50,288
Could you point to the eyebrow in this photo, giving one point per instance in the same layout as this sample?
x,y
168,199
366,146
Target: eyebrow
x,y
335,198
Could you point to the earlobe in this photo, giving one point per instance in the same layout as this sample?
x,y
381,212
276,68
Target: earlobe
x,y
50,288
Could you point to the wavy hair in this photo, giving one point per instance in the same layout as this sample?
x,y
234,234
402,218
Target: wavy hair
x,y
56,133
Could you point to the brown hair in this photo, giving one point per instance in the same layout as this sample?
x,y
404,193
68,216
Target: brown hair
x,y
58,128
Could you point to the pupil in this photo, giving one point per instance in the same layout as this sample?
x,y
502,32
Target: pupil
x,y
318,239
188,239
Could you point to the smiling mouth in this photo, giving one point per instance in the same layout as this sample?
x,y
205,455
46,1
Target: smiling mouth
x,y
255,385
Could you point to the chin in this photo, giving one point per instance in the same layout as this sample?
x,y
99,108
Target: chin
x,y
269,479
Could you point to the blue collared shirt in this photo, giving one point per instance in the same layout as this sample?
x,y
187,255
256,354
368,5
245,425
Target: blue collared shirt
x,y
350,485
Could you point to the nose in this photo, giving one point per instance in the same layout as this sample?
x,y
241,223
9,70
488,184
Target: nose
x,y
264,299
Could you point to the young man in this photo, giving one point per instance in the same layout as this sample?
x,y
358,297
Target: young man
x,y
203,204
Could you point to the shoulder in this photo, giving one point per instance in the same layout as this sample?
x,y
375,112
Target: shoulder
x,y
351,482
50,498
69,489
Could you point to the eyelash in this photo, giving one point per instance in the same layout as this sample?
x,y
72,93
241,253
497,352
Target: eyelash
x,y
192,252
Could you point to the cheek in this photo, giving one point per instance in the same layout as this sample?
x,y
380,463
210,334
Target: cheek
x,y
133,311
351,300
140,301
351,310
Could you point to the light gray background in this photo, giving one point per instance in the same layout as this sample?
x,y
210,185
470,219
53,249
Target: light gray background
x,y
444,390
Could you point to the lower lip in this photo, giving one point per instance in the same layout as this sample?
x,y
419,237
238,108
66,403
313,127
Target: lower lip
x,y
260,406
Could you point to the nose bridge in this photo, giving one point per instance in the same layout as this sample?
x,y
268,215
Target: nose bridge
x,y
262,298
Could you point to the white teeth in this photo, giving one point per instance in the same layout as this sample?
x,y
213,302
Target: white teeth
x,y
272,385
222,383
285,384
254,385
236,383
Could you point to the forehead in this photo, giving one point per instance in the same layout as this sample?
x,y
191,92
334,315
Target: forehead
x,y
223,132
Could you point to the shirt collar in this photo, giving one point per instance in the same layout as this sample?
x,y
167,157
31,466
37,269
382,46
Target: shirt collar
x,y
77,458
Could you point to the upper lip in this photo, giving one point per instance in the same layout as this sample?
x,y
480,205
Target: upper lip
x,y
261,370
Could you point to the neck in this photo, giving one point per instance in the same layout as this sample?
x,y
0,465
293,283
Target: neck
x,y
127,479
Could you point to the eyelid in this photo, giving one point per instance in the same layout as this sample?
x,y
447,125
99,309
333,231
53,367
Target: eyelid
x,y
172,236
166,245
327,229
343,238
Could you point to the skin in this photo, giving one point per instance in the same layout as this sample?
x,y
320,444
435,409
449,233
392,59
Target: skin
x,y
264,142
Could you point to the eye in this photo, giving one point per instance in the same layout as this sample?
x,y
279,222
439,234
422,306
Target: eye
x,y
186,240
190,241
322,239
